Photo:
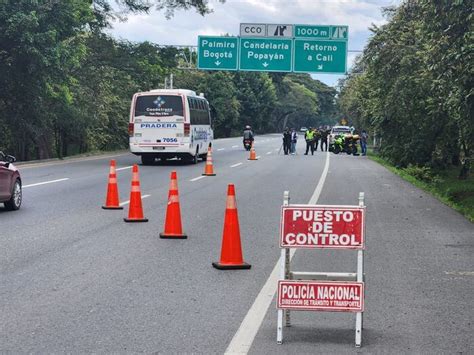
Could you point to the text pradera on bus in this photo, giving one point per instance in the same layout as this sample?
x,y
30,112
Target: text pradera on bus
x,y
321,295
305,226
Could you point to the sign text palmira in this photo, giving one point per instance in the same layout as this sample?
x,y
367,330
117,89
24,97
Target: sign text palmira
x,y
218,53
305,226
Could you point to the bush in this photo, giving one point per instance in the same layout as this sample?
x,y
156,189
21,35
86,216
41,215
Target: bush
x,y
422,173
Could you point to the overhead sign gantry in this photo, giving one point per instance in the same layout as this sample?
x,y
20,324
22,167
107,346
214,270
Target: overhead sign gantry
x,y
277,48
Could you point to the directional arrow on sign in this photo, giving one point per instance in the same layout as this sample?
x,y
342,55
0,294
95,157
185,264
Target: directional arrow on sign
x,y
265,64
320,67
217,63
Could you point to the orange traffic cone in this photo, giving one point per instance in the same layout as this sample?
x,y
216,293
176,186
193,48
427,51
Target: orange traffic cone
x,y
112,199
231,252
209,169
253,155
135,210
173,228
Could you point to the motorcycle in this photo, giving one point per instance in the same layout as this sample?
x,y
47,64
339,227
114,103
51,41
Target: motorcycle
x,y
247,144
345,144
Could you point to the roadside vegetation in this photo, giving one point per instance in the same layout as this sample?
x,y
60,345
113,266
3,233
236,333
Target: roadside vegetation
x,y
444,184
67,86
413,89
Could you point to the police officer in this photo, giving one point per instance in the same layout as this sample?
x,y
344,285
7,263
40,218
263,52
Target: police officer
x,y
324,139
309,138
286,140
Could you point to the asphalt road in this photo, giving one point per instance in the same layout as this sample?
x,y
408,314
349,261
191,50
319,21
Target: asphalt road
x,y
76,278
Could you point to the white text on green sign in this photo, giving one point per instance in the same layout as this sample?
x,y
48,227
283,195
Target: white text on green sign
x,y
218,53
322,32
262,54
320,56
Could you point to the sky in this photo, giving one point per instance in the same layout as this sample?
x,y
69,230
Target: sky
x,y
185,26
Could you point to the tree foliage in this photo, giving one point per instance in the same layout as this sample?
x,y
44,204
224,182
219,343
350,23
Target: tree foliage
x,y
66,86
413,85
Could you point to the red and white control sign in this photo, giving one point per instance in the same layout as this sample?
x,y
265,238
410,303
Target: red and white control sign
x,y
307,226
321,296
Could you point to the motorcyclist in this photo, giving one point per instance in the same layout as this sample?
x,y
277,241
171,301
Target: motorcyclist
x,y
248,134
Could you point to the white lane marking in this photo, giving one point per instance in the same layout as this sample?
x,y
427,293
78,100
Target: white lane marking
x,y
243,339
220,149
268,153
197,178
257,157
28,165
127,202
460,273
233,166
124,168
234,146
44,183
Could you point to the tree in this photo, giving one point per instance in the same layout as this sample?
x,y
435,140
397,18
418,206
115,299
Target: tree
x,y
414,83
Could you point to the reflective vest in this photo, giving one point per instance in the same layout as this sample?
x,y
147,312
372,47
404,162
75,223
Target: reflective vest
x,y
309,135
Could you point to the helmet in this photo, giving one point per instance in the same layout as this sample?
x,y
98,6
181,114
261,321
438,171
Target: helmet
x,y
247,127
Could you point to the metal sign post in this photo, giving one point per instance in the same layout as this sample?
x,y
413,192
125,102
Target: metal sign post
x,y
319,227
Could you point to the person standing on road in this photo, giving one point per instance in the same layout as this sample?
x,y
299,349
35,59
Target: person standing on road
x,y
317,136
309,138
363,142
294,139
286,140
324,140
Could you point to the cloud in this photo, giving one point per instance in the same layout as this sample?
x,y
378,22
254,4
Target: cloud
x,y
185,27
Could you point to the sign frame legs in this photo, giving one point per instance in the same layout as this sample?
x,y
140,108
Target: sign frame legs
x,y
360,278
284,274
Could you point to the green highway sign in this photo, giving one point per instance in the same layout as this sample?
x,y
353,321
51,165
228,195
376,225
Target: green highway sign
x,y
320,56
265,54
306,31
218,53
321,32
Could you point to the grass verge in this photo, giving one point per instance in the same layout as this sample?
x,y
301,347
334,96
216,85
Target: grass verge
x,y
443,184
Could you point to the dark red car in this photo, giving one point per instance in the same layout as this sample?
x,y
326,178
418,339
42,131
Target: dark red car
x,y
10,183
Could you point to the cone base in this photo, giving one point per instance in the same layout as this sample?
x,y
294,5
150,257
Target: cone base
x,y
231,266
208,174
133,220
251,159
173,236
112,208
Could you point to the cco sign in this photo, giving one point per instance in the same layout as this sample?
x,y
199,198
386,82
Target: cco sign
x,y
304,226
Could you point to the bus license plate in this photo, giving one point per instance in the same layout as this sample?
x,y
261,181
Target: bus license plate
x,y
158,148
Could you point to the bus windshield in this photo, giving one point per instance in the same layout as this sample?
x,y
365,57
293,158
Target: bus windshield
x,y
159,106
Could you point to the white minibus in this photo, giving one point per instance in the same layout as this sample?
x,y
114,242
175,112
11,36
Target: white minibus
x,y
172,123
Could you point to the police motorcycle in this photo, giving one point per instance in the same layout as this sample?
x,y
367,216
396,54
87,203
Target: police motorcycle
x,y
345,143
